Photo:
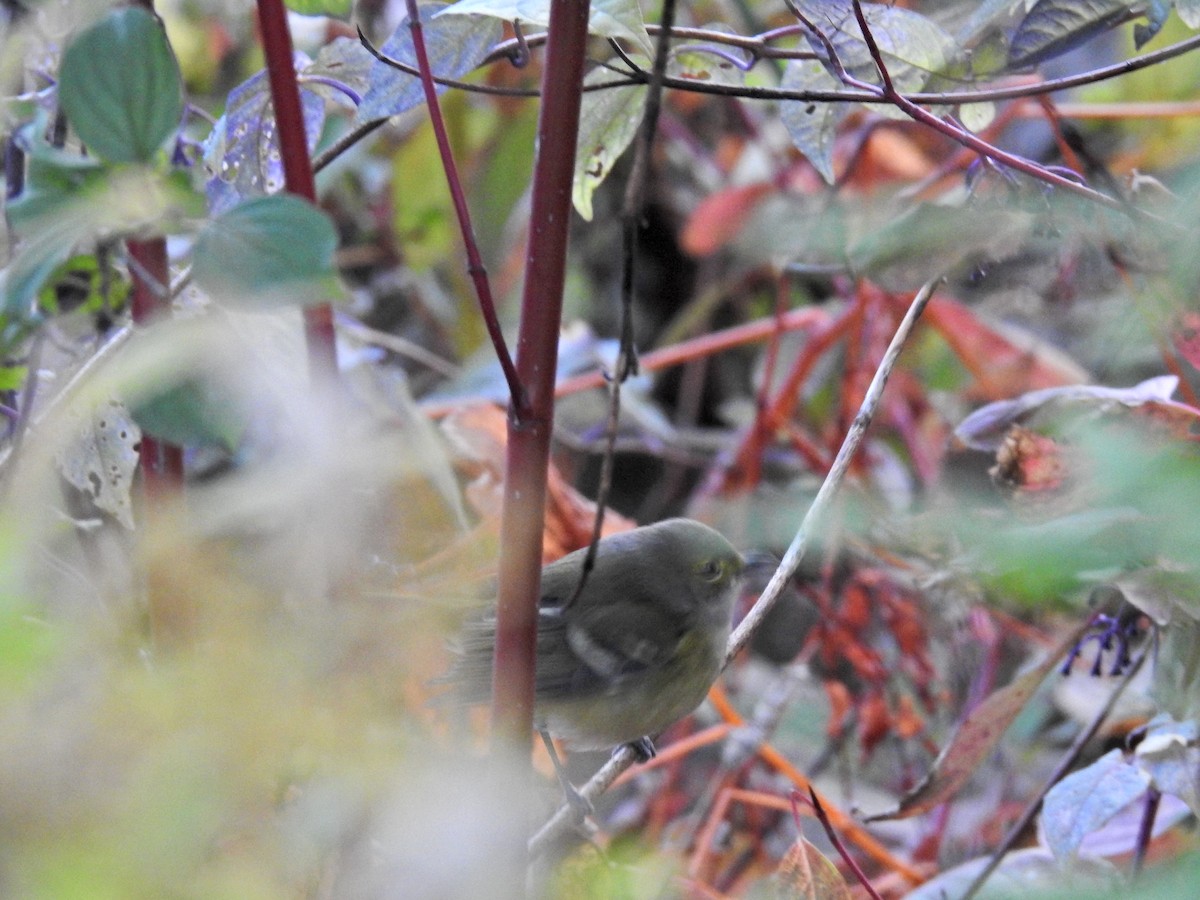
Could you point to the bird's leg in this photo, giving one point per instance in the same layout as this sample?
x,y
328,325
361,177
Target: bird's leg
x,y
643,748
579,803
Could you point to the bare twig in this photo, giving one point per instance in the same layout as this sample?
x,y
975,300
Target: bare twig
x,y
1064,766
624,757
631,214
837,473
836,840
475,266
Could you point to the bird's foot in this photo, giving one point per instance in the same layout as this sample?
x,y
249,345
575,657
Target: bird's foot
x,y
643,749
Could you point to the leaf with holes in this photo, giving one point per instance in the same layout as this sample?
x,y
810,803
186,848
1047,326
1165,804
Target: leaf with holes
x,y
608,122
241,154
102,458
812,125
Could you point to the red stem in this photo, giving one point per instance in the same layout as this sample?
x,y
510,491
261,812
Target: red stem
x,y
529,430
297,168
475,266
162,464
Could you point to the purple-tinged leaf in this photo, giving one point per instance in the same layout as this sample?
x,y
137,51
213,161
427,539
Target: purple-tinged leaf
x,y
1086,800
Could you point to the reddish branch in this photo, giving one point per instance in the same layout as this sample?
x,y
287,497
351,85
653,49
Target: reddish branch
x,y
162,463
529,430
297,168
475,266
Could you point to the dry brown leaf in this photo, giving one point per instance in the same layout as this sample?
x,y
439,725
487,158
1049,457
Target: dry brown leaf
x,y
975,739
805,873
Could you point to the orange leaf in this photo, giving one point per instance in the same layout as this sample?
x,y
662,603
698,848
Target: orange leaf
x,y
805,873
719,217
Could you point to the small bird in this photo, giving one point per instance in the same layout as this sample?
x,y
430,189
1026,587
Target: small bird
x,y
633,651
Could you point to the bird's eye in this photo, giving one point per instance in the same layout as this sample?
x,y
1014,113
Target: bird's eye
x,y
713,570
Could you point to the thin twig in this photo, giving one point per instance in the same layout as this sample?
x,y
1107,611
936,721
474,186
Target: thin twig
x,y
1064,765
836,840
631,215
401,346
624,757
475,266
837,473
1146,829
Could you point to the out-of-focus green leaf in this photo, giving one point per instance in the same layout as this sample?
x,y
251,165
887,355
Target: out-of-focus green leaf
x,y
270,250
620,19
930,239
1039,563
12,377
1085,800
812,126
337,8
1053,27
120,86
191,412
422,211
455,46
608,122
70,200
81,284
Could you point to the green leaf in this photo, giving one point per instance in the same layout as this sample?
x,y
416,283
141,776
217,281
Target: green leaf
x,y
13,377
812,125
608,121
120,87
268,250
608,18
337,8
192,412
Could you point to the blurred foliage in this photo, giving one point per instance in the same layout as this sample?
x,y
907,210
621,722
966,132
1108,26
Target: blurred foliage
x,y
224,694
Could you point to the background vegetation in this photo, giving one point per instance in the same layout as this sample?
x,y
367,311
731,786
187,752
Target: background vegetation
x,y
256,450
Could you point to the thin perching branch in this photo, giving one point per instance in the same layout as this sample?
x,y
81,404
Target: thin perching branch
x,y
625,756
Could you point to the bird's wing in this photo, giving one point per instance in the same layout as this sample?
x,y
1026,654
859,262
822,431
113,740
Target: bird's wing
x,y
587,648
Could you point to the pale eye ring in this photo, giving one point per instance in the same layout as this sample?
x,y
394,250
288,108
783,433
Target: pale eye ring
x,y
712,571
